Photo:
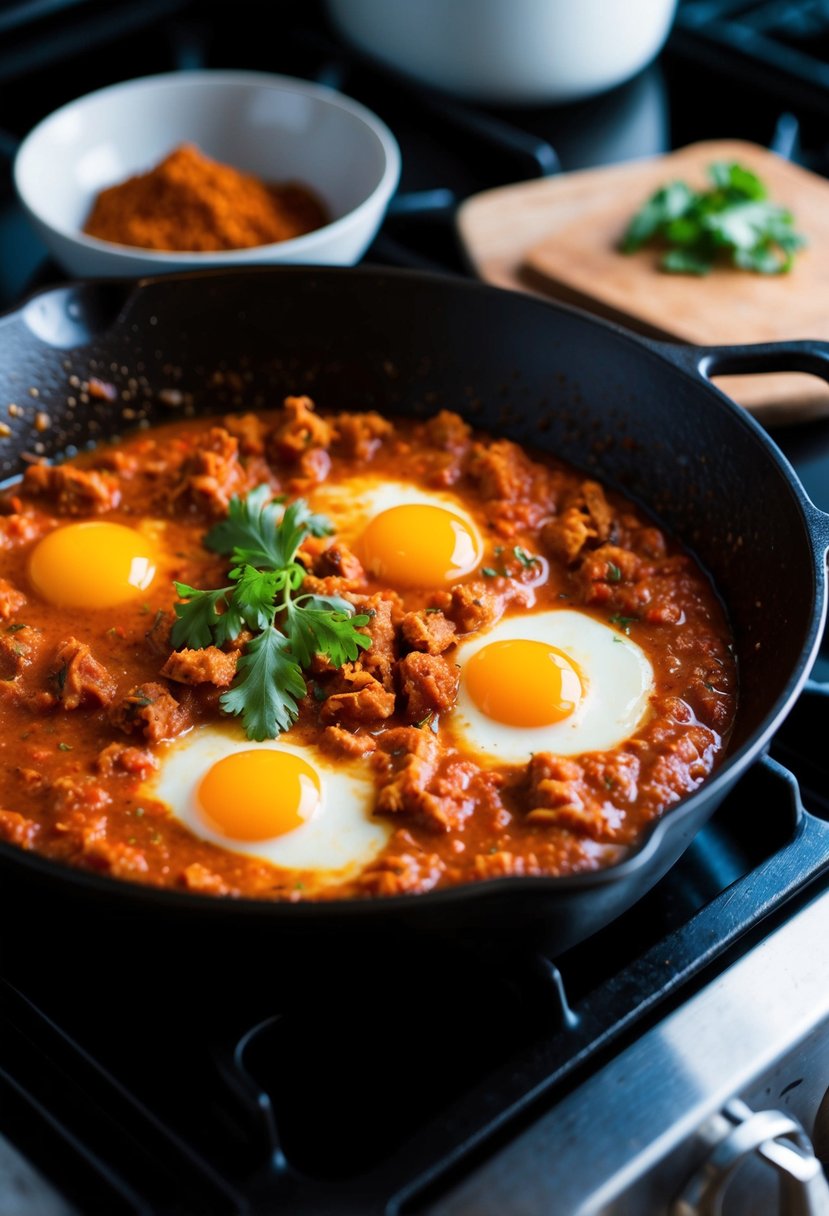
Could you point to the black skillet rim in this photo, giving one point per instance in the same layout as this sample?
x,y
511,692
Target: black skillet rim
x,y
648,845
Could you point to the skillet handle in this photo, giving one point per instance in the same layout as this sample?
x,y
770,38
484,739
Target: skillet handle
x,y
811,356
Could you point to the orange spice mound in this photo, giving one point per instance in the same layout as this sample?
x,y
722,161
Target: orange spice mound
x,y
189,202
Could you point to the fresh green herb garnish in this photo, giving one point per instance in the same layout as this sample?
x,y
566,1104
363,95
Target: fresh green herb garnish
x,y
733,220
624,622
525,558
614,574
64,747
489,572
16,627
261,537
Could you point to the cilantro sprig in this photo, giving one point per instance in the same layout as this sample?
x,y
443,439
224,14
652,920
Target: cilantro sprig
x,y
261,537
733,220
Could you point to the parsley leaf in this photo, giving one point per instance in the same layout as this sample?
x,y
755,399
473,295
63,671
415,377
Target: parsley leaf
x,y
261,538
267,687
197,618
249,532
314,628
253,596
259,531
732,220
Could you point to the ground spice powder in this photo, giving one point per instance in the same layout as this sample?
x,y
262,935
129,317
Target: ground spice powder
x,y
189,202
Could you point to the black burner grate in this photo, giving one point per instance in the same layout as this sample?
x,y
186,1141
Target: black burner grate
x,y
780,44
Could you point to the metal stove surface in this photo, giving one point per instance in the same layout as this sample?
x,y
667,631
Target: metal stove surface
x,y
123,1089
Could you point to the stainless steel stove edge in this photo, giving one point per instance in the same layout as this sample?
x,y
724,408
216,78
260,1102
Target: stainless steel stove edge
x,y
625,1142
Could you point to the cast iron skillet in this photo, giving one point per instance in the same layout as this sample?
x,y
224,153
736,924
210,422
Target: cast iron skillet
x,y
639,415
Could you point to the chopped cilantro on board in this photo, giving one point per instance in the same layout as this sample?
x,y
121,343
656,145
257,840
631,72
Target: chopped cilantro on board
x,y
732,221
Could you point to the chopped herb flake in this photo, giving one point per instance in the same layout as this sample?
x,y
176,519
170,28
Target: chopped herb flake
x,y
489,572
64,747
624,622
614,574
525,558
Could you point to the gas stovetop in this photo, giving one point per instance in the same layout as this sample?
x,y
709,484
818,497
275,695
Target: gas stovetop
x,y
130,1087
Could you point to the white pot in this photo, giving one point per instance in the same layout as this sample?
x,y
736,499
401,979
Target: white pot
x,y
514,52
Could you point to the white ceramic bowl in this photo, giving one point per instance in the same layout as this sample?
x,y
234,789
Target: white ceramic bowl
x,y
276,127
509,52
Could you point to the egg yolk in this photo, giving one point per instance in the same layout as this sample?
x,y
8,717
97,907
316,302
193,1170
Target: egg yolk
x,y
257,794
420,545
523,683
92,565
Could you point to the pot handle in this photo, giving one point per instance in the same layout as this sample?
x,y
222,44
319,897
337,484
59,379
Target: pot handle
x,y
811,356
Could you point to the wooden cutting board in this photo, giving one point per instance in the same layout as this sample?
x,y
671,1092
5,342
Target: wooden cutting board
x,y
557,237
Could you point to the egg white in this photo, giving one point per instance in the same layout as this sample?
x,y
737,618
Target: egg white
x,y
340,837
618,680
